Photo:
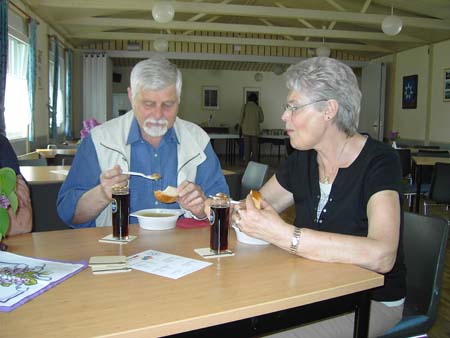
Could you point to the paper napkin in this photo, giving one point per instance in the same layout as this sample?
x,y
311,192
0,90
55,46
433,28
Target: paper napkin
x,y
111,239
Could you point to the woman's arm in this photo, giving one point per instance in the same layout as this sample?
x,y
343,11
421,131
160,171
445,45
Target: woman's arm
x,y
376,252
278,197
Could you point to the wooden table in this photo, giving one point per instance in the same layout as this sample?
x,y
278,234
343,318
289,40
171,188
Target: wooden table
x,y
47,174
418,163
44,174
51,153
277,140
229,144
257,280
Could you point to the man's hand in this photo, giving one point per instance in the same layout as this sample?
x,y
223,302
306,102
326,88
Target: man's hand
x,y
192,198
110,178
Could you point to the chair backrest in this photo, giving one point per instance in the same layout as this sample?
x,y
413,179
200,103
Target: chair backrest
x,y
425,244
38,162
63,159
405,161
440,183
254,177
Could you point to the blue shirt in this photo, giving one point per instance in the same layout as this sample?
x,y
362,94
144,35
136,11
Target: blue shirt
x,y
85,174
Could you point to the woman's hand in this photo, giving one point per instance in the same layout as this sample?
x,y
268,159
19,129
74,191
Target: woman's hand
x,y
264,223
22,221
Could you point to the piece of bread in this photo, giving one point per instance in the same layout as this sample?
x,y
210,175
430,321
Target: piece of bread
x,y
256,197
168,195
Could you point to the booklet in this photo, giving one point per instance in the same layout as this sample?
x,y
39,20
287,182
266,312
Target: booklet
x,y
23,278
164,264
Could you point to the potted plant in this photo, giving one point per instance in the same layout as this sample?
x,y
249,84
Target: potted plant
x,y
8,199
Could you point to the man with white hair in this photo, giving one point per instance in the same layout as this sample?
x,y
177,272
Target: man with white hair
x,y
148,139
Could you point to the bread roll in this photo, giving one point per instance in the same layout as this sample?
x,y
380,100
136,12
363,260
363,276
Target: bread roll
x,y
256,197
168,195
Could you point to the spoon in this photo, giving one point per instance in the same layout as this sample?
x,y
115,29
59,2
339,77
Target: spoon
x,y
153,176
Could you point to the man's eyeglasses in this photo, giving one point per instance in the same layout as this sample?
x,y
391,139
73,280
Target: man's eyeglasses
x,y
291,109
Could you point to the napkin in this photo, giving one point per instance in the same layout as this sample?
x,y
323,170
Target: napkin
x,y
208,253
188,223
111,239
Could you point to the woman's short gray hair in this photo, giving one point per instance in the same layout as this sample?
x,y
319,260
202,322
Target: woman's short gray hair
x,y
155,73
322,78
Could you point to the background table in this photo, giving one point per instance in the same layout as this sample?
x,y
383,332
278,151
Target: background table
x,y
257,280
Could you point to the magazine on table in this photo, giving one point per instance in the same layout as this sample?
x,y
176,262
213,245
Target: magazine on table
x,y
23,278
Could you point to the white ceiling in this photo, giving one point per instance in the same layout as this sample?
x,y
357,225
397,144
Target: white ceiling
x,y
351,26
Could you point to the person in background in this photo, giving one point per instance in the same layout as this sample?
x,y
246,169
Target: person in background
x,y
148,139
346,189
252,116
22,221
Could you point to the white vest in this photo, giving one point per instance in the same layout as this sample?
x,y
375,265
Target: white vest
x,y
110,141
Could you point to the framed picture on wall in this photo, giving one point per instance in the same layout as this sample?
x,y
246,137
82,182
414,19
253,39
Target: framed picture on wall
x,y
409,97
210,97
447,84
248,91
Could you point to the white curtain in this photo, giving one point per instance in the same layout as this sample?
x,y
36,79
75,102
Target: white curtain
x,y
95,87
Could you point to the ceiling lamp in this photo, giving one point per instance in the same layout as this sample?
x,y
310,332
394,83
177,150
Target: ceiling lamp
x,y
323,50
277,69
163,11
161,45
391,25
258,77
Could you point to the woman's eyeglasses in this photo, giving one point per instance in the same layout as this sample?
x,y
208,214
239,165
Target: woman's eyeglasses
x,y
291,109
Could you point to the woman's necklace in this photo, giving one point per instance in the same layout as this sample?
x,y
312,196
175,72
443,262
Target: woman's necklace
x,y
327,178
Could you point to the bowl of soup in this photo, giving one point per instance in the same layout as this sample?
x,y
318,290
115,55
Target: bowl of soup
x,y
157,219
244,238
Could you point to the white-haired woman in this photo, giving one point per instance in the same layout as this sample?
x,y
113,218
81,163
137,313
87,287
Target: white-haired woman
x,y
346,188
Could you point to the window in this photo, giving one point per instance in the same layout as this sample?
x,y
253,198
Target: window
x,y
61,100
17,106
210,97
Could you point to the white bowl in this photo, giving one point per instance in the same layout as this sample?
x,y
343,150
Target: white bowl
x,y
244,238
157,219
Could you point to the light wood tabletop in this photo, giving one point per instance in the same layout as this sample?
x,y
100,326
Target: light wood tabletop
x,y
58,173
428,160
51,153
257,280
44,174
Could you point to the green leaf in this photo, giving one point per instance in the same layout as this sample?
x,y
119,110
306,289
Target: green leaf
x,y
4,221
12,197
7,180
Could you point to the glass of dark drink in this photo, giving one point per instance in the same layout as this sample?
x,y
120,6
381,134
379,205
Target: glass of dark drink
x,y
120,212
219,219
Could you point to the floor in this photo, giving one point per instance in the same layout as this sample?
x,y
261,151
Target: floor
x,y
441,328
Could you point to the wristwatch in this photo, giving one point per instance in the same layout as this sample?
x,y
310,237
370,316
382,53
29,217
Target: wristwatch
x,y
295,241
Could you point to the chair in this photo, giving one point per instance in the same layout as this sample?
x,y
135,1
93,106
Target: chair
x,y
63,159
425,243
37,162
409,189
255,175
439,193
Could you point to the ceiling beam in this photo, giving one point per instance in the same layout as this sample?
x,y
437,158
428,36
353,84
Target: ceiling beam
x,y
243,10
112,23
226,40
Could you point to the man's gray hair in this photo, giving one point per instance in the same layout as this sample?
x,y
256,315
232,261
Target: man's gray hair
x,y
155,73
323,78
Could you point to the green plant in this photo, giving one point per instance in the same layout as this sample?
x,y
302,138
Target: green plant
x,y
8,197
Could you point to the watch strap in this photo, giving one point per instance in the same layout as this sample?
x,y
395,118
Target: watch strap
x,y
295,241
